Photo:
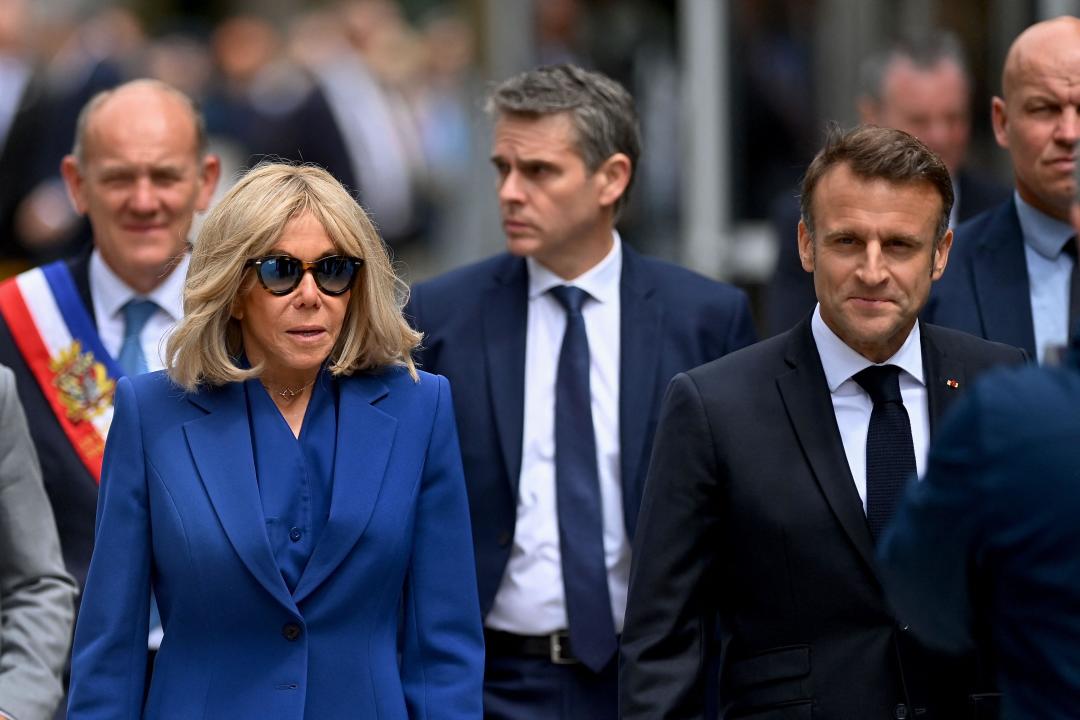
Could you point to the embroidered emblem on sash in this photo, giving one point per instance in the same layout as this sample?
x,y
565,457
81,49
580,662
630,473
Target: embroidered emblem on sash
x,y
84,386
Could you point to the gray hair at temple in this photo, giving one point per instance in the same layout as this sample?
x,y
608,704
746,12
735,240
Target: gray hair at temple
x,y
78,147
924,50
602,111
879,153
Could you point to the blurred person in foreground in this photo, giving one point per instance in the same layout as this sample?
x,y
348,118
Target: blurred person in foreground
x,y
36,593
1014,276
291,489
991,536
920,85
775,469
139,171
559,350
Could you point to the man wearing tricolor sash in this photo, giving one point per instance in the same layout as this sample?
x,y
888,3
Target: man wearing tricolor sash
x,y
139,170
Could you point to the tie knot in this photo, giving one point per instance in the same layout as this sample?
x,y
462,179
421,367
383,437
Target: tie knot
x,y
881,383
570,297
136,312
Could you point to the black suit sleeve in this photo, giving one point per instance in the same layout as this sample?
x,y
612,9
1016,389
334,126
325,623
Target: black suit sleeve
x,y
665,638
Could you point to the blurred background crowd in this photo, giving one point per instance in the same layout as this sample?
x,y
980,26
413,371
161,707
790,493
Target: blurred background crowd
x,y
387,95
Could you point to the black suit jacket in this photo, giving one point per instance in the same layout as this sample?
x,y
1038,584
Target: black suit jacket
x,y
751,516
71,488
474,321
985,289
790,293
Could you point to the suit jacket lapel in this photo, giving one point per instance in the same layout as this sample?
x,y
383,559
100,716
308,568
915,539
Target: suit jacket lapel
x,y
365,436
805,394
80,273
504,331
220,444
640,317
1001,282
943,374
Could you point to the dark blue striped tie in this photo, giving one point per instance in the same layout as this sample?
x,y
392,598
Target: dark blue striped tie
x,y
577,493
890,453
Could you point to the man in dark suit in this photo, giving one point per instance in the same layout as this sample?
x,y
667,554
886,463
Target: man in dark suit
x,y
139,171
776,467
991,536
557,353
1013,275
919,85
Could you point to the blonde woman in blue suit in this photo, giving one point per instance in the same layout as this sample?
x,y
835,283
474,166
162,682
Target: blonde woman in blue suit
x,y
290,489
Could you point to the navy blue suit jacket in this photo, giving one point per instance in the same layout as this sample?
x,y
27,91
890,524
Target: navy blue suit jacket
x,y
992,536
474,320
985,290
384,620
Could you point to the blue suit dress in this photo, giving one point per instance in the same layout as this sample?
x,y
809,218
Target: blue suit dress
x,y
383,620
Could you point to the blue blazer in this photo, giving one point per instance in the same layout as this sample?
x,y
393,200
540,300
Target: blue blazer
x,y
474,321
990,537
985,290
384,621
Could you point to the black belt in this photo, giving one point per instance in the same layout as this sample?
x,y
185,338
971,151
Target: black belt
x,y
554,647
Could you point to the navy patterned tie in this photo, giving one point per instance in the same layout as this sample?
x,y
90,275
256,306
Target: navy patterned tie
x,y
890,453
577,495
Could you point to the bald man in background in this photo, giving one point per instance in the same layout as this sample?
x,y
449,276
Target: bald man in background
x,y
139,170
1013,274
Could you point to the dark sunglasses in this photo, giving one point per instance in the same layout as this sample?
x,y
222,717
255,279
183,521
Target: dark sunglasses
x,y
281,274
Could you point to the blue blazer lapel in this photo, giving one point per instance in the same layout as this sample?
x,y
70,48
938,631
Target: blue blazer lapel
x,y
365,436
504,331
220,444
999,274
805,393
640,319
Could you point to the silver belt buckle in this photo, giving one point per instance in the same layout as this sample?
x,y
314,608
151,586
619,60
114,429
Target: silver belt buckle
x,y
556,640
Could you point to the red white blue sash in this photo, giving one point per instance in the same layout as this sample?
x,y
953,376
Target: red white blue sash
x,y
57,338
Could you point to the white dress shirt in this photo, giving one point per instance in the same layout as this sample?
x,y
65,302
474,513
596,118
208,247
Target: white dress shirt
x,y
853,405
1049,275
109,294
530,599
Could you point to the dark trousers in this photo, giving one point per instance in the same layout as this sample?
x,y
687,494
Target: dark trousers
x,y
533,688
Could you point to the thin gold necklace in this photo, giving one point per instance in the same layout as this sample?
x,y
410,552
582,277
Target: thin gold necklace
x,y
287,393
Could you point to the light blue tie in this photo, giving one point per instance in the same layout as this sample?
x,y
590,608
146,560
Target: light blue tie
x,y
136,312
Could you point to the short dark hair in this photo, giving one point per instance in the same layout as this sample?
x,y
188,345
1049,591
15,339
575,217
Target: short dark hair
x,y
924,50
602,111
879,153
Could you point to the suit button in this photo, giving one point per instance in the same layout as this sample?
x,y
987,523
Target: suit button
x,y
900,712
290,631
295,534
504,538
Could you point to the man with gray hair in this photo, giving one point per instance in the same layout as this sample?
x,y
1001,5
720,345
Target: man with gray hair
x,y
139,170
558,352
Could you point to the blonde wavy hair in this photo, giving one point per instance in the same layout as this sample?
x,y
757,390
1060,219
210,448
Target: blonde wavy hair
x,y
204,348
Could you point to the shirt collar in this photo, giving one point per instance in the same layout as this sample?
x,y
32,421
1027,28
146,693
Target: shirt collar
x,y
1046,235
840,362
110,293
601,281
